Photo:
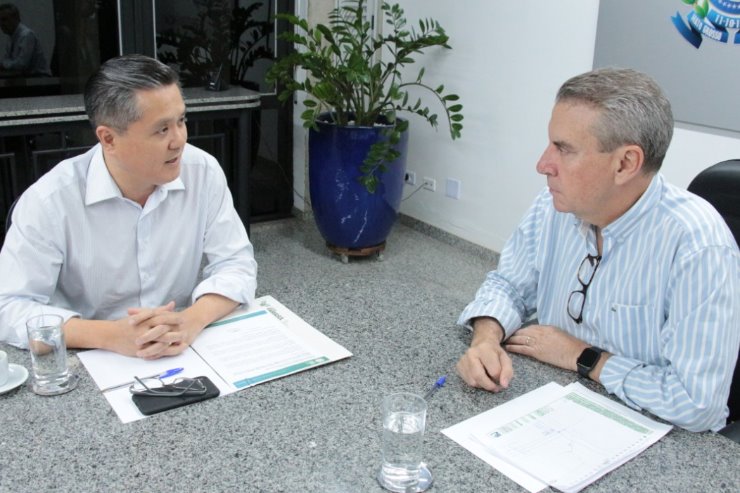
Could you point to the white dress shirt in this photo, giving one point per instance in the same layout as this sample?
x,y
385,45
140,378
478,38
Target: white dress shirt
x,y
665,299
24,54
77,247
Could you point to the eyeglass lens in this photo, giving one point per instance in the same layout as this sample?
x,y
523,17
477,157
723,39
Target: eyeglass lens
x,y
577,298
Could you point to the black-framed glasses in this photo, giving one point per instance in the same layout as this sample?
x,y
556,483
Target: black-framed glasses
x,y
157,388
577,298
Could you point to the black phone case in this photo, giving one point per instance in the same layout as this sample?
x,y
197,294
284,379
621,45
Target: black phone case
x,y
149,404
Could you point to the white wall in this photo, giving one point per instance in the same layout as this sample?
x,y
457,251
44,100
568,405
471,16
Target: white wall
x,y
507,61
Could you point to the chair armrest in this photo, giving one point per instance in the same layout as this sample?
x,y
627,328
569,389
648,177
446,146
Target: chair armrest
x,y
732,431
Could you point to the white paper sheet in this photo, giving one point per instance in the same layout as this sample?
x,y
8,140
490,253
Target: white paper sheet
x,y
464,432
566,437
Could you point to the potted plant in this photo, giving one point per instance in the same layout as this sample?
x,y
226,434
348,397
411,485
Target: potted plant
x,y
357,142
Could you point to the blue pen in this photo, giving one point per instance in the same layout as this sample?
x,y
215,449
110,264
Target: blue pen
x,y
168,373
437,385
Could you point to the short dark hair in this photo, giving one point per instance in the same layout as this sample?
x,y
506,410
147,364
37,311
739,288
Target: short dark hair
x,y
12,8
634,110
110,93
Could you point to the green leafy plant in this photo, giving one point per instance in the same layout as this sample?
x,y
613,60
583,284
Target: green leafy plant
x,y
349,81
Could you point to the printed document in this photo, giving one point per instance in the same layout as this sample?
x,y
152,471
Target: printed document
x,y
245,348
564,437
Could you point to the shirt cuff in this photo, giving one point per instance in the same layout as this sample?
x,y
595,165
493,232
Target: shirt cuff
x,y
21,339
613,376
509,319
240,291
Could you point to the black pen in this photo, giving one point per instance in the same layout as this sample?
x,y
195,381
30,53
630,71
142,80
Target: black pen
x,y
437,385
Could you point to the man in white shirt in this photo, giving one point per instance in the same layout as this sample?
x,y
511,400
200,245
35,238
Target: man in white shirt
x,y
635,283
114,240
24,55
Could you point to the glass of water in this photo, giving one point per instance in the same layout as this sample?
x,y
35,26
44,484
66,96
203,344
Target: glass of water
x,y
404,419
49,372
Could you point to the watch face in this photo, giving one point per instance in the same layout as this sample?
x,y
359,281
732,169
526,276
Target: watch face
x,y
588,358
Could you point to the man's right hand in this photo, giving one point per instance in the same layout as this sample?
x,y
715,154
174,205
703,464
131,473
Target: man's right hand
x,y
143,333
141,321
486,364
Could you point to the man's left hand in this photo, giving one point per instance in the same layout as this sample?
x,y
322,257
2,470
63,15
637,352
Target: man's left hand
x,y
168,333
548,344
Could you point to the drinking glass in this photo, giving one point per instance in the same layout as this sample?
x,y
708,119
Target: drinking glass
x,y
49,372
404,419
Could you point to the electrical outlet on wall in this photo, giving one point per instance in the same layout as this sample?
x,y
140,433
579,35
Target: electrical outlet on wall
x,y
430,184
452,188
410,178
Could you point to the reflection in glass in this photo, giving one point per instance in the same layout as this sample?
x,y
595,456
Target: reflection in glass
x,y
229,39
72,39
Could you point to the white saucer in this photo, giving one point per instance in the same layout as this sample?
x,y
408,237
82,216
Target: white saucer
x,y
17,374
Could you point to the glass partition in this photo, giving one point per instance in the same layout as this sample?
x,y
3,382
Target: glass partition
x,y
50,47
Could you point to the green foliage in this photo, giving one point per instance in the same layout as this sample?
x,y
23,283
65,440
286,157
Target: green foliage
x,y
349,79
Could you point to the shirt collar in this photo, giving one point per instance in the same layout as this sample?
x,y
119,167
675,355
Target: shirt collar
x,y
101,186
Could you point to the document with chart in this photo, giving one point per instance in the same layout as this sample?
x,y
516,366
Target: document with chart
x,y
564,437
245,348
268,342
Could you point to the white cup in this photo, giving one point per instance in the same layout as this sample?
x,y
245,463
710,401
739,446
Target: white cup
x,y
4,370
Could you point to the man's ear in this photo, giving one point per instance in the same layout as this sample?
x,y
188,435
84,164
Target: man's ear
x,y
106,137
631,158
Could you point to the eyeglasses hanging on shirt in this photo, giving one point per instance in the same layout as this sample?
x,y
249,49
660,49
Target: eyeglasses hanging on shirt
x,y
577,298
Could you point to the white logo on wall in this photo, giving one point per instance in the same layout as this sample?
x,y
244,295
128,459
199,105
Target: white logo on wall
x,y
718,20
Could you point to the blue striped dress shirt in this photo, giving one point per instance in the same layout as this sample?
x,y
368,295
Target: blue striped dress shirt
x,y
665,299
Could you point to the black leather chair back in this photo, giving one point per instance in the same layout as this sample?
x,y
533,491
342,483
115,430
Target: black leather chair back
x,y
720,186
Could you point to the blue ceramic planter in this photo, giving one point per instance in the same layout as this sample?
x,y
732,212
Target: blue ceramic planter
x,y
347,215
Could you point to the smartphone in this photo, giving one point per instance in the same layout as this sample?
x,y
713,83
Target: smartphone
x,y
150,404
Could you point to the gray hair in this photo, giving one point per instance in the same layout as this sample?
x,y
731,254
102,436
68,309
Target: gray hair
x,y
111,92
634,110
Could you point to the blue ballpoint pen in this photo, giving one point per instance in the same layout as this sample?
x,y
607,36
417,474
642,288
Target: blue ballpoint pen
x,y
168,373
437,385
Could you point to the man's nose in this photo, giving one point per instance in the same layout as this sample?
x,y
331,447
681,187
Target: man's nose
x,y
545,166
181,136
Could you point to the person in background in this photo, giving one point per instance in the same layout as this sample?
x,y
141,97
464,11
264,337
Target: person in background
x,y
117,239
635,283
23,56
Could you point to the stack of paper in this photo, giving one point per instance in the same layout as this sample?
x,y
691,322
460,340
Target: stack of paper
x,y
564,437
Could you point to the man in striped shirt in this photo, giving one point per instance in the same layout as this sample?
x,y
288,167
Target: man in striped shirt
x,y
635,283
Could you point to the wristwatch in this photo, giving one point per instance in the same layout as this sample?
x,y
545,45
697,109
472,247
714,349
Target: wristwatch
x,y
587,360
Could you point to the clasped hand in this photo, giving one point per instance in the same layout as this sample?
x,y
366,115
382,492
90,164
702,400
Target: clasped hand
x,y
155,332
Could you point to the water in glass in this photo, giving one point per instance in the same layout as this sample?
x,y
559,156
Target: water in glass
x,y
404,419
403,437
50,372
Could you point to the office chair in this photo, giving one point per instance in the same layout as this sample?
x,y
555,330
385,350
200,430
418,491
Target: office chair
x,y
720,186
